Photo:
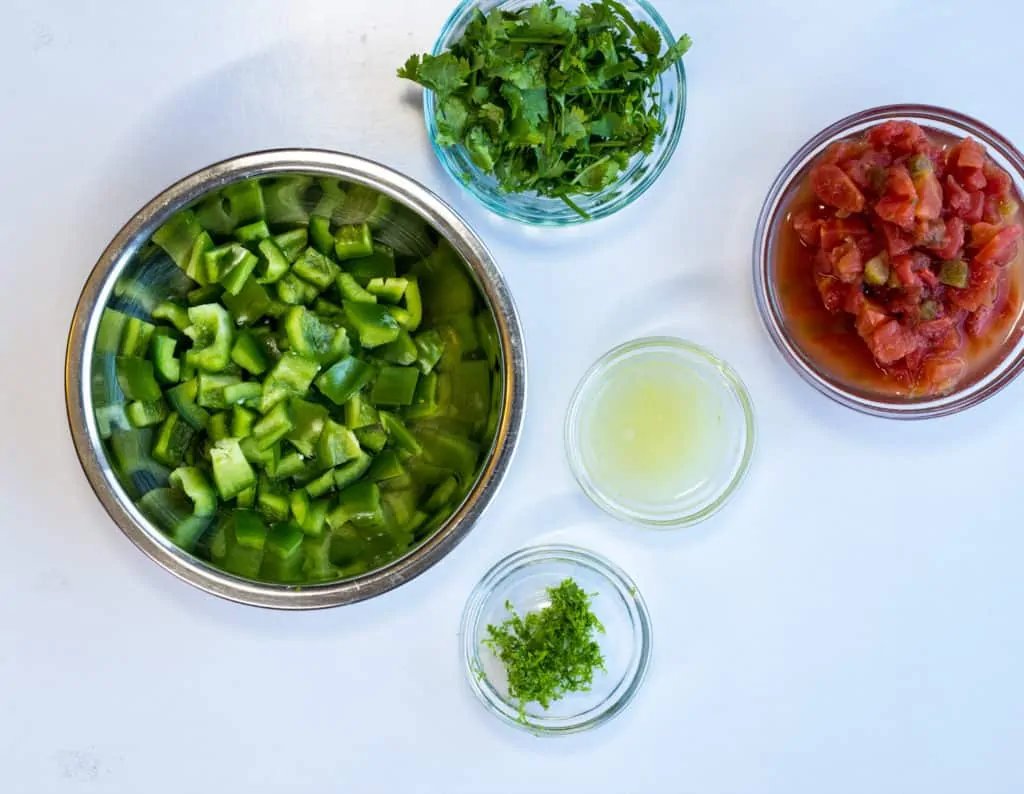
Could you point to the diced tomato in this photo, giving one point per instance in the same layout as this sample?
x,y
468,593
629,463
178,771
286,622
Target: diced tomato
x,y
900,137
896,240
898,203
835,231
954,239
832,185
868,170
928,189
890,342
974,180
941,373
846,261
841,151
967,154
977,210
958,199
853,300
930,234
831,291
980,290
929,278
998,182
905,267
808,227
1001,249
934,330
982,233
869,318
979,321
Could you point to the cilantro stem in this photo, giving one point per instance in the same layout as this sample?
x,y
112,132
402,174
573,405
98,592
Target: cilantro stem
x,y
574,206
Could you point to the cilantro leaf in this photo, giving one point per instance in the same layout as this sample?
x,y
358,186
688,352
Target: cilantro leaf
x,y
443,73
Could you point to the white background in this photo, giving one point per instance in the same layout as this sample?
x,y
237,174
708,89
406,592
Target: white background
x,y
850,623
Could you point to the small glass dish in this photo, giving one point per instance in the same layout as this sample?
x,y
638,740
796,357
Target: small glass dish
x,y
734,430
522,579
1005,363
536,210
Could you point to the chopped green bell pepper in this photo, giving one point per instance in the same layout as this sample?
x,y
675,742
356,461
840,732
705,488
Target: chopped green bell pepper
x,y
250,531
442,495
172,441
320,234
169,509
273,262
212,334
249,354
394,386
174,313
358,504
197,488
183,400
246,393
285,198
211,389
312,338
348,473
359,412
379,264
431,348
413,306
252,232
135,337
136,378
337,445
402,351
373,323
399,433
385,466
275,425
344,379
166,365
372,437
231,471
322,485
291,376
293,291
196,267
146,414
292,243
353,241
389,290
315,268
178,235
217,427
272,501
290,465
242,421
352,291
308,421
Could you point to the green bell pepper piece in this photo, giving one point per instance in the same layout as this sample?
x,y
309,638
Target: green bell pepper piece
x,y
487,333
337,445
166,365
298,502
266,459
293,291
273,262
248,392
431,348
320,234
344,379
399,433
372,437
379,264
284,198
231,471
442,495
315,268
359,412
217,428
290,465
322,485
394,386
242,421
352,291
348,473
366,205
456,454
413,306
197,488
135,337
178,235
308,421
358,504
312,338
272,501
402,351
174,313
230,266
211,389
291,376
136,378
275,425
169,509
283,559
212,334
249,354
110,331
446,286
385,466
425,401
389,290
250,531
209,293
292,243
146,414
252,232
172,441
353,241
373,323
471,390
196,267
250,304
183,400
246,498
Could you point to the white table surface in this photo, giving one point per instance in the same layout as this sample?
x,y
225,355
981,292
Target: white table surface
x,y
850,623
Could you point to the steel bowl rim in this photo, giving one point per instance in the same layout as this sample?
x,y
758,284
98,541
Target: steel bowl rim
x,y
134,234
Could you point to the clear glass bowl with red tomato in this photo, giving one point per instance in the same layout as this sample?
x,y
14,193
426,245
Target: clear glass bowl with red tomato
x,y
889,262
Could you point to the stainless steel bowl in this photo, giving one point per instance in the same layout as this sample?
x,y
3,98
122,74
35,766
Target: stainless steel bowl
x,y
121,253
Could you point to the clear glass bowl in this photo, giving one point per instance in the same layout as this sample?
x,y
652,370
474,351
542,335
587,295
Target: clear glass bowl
x,y
1006,364
522,579
537,210
737,433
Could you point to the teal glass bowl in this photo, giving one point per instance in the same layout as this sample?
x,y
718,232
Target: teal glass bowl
x,y
531,208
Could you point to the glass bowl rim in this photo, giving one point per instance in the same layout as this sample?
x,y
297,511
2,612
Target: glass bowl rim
x,y
625,588
728,376
505,205
1003,371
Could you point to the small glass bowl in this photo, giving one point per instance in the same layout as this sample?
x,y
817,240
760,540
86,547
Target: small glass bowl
x,y
537,210
522,579
737,419
1006,364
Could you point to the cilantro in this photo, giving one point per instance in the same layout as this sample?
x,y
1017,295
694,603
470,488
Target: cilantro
x,y
552,652
550,100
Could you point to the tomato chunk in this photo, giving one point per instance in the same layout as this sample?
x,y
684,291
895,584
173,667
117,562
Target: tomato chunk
x,y
927,188
953,239
890,342
899,137
834,187
1001,249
